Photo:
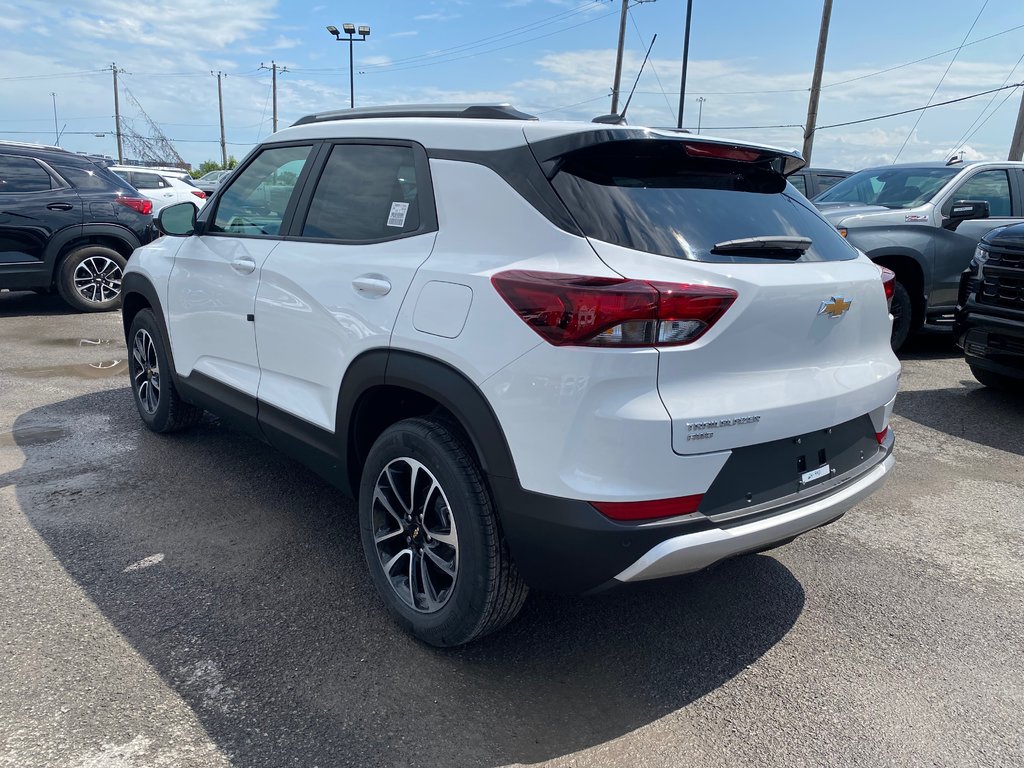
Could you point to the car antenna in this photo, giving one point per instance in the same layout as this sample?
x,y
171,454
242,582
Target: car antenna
x,y
620,119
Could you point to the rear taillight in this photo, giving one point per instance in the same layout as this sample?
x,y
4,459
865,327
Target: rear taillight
x,y
137,204
633,511
722,152
880,436
888,284
198,193
575,310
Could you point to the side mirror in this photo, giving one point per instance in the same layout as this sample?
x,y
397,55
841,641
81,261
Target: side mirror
x,y
963,210
178,219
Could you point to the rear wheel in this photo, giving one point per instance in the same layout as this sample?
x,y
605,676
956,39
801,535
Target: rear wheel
x,y
431,536
160,406
902,315
90,278
997,380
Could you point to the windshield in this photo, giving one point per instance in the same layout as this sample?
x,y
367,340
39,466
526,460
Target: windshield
x,y
651,196
889,187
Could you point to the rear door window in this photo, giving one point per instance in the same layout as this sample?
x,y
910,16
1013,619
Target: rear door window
x,y
650,196
800,183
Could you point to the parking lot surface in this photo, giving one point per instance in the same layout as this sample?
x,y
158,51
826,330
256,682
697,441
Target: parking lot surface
x,y
199,600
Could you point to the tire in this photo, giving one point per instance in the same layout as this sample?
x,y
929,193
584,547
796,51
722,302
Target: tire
x,y
158,402
997,380
436,553
902,315
90,278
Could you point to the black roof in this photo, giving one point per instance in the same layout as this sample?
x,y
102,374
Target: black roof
x,y
467,111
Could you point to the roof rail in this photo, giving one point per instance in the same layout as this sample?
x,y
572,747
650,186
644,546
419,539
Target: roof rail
x,y
32,145
466,111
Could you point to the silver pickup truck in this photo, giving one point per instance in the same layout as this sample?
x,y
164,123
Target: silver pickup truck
x,y
923,221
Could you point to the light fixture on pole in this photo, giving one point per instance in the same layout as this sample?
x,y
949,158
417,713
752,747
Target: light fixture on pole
x,y
56,133
700,110
350,30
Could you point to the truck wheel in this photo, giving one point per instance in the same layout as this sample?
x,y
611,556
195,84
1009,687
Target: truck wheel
x,y
160,406
431,536
90,278
997,380
902,315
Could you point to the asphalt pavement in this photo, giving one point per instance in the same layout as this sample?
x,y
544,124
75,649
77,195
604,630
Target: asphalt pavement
x,y
200,600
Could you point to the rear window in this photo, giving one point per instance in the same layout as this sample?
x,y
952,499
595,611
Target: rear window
x,y
651,196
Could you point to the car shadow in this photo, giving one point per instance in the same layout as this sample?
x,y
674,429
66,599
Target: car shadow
x,y
29,303
934,345
238,576
980,414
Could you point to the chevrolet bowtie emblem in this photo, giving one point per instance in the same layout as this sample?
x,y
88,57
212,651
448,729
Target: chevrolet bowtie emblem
x,y
837,306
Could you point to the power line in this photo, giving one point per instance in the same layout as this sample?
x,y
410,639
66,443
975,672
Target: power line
x,y
963,139
939,84
640,37
982,123
919,109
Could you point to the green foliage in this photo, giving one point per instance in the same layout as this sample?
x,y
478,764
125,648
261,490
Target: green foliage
x,y
212,165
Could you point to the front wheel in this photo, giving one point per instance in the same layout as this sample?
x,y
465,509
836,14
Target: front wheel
x,y
902,315
158,402
997,380
90,278
431,538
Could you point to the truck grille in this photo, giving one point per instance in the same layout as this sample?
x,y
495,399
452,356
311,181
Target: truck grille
x,y
1002,279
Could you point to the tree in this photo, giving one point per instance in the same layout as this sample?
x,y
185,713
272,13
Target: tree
x,y
212,165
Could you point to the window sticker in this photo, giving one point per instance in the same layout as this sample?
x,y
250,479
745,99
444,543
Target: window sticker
x,y
398,213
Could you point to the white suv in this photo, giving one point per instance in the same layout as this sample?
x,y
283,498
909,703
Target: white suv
x,y
563,355
164,188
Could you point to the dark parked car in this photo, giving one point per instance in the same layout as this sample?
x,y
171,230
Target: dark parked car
x,y
989,323
813,181
67,223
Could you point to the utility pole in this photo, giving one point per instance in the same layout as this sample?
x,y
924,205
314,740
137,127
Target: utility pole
x,y
273,84
1017,142
819,65
117,116
56,132
686,58
618,58
220,104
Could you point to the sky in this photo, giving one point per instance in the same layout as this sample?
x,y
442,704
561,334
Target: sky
x,y
750,60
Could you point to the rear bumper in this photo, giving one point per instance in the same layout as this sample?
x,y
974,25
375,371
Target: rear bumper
x,y
694,551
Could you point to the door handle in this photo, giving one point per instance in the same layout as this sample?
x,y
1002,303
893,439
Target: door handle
x,y
372,285
60,206
244,265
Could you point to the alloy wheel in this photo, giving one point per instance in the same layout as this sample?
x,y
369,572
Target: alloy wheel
x,y
98,279
414,534
146,371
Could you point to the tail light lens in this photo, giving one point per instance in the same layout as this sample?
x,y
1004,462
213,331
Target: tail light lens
x,y
576,310
723,152
138,204
880,436
633,511
198,193
888,284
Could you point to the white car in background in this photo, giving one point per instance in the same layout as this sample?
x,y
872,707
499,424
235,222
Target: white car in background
x,y
162,187
209,182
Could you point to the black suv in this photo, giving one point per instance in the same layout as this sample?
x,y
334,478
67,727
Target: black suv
x,y
989,323
67,223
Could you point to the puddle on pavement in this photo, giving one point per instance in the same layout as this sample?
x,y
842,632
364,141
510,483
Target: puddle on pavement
x,y
103,370
32,435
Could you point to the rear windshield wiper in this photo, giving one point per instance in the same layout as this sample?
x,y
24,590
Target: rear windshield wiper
x,y
765,246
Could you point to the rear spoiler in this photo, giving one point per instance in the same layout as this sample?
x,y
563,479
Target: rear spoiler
x,y
550,151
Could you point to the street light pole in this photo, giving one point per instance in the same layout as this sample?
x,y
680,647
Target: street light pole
x,y
350,30
686,57
700,111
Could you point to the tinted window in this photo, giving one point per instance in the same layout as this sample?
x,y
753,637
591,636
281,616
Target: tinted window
x,y
365,193
827,182
799,182
890,187
993,186
650,196
87,179
255,202
22,174
147,180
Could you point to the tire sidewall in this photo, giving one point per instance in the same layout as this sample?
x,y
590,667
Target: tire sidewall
x,y
411,439
902,322
159,419
66,278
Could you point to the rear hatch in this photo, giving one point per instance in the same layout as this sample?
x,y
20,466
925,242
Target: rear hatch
x,y
805,345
